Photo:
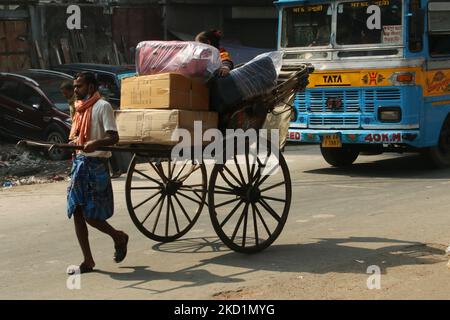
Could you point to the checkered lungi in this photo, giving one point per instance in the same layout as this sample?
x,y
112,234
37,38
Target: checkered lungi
x,y
90,188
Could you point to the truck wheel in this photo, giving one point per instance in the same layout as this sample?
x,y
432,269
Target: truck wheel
x,y
340,157
56,135
440,154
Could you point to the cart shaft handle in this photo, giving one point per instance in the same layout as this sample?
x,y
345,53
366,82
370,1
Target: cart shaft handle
x,y
51,146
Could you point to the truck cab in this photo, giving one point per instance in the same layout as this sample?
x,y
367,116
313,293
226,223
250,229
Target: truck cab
x,y
381,80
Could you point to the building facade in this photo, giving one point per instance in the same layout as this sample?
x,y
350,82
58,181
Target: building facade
x,y
35,33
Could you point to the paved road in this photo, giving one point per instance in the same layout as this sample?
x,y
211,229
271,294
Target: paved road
x,y
386,211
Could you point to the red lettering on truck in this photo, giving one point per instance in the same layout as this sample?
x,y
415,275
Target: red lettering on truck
x,y
294,135
383,138
396,137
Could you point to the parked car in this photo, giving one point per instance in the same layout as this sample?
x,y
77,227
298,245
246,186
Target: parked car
x,y
109,77
32,107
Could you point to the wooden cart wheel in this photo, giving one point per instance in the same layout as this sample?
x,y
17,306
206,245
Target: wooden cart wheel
x,y
249,197
165,198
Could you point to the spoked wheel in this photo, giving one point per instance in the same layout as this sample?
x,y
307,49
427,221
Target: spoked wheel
x,y
165,198
249,197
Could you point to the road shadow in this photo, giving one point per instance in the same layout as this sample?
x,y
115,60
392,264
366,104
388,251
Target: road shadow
x,y
193,245
410,166
330,255
194,276
325,255
336,255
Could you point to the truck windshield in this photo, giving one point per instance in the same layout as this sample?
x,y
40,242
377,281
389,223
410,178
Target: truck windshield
x,y
307,26
369,22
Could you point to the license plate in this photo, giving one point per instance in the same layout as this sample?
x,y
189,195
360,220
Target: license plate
x,y
332,141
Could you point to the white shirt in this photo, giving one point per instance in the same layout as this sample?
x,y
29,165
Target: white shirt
x,y
102,120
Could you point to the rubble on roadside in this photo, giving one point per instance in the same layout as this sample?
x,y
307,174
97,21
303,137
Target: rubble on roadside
x,y
25,167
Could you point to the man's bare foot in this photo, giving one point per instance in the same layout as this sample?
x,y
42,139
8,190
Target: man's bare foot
x,y
121,248
84,267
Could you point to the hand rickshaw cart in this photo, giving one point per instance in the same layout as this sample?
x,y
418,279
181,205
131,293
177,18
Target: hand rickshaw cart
x,y
248,195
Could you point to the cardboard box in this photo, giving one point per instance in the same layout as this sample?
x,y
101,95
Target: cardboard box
x,y
199,96
164,91
152,126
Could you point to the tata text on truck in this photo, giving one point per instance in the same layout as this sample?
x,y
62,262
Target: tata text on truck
x,y
381,80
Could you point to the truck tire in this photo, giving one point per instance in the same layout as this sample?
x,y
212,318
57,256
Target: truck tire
x,y
439,155
340,157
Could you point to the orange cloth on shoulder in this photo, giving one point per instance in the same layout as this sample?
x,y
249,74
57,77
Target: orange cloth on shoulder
x,y
81,125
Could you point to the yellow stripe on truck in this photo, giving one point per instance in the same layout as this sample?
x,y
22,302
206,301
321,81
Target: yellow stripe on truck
x,y
434,83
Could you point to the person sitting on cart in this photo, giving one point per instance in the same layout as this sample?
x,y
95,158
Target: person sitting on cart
x,y
90,194
212,37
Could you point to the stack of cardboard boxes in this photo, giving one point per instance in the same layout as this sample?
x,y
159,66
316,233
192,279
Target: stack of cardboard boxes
x,y
152,107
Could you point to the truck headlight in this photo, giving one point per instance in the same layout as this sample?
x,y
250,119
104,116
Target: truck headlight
x,y
389,114
403,78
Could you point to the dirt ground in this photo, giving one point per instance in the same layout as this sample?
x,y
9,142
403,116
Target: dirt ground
x,y
24,167
380,233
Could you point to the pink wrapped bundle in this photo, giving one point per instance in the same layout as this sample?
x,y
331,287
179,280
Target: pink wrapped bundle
x,y
192,59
